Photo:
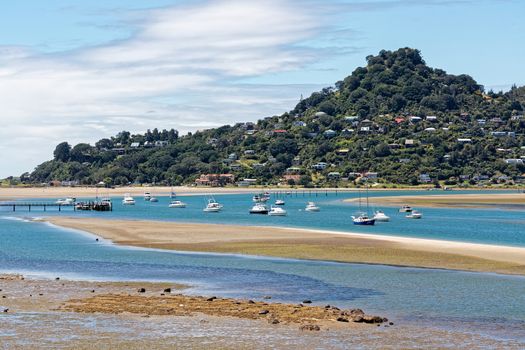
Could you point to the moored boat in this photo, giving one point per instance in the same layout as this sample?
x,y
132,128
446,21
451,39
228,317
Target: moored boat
x,y
213,206
154,199
279,202
147,196
381,216
259,208
311,206
405,209
277,211
128,200
177,204
414,215
363,219
66,201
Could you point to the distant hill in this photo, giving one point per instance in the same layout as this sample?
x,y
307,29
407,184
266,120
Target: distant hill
x,y
396,118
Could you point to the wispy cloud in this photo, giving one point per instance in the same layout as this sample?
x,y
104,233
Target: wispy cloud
x,y
182,64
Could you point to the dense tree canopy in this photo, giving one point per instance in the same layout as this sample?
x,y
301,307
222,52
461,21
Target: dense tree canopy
x,y
396,116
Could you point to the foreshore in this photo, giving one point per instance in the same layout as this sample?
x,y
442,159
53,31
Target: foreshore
x,y
115,315
470,200
12,193
304,244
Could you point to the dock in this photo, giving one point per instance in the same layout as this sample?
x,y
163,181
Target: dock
x,y
33,205
45,206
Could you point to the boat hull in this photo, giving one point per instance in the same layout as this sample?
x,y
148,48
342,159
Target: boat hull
x,y
264,212
365,222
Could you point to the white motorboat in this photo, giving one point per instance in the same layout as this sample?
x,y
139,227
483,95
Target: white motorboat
x,y
66,201
279,202
177,204
154,199
128,200
213,206
414,215
405,209
147,196
312,207
277,211
259,208
381,216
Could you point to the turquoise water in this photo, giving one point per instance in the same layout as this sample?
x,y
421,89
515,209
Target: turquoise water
x,y
483,303
477,302
494,225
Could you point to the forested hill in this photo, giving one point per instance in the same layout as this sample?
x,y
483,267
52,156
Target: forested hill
x,y
396,117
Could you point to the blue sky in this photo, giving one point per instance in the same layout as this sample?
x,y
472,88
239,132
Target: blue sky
x,y
82,70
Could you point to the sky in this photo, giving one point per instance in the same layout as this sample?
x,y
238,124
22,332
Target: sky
x,y
82,70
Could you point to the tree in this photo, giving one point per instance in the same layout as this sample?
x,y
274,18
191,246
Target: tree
x,y
62,152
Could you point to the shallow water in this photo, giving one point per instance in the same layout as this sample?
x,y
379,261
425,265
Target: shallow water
x,y
488,304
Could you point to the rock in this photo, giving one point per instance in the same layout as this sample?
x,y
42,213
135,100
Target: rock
x,y
273,321
211,298
251,302
357,319
310,327
167,290
267,297
327,307
6,310
57,279
385,319
3,297
372,319
335,308
96,239
299,305
162,294
391,323
264,312
92,291
342,319
40,294
141,290
307,301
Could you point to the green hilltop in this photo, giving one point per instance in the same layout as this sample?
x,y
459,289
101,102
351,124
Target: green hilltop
x,y
395,119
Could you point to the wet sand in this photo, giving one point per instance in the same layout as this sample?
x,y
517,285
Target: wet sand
x,y
43,314
452,200
304,244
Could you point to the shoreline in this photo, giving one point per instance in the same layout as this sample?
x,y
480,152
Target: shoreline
x,y
306,244
12,193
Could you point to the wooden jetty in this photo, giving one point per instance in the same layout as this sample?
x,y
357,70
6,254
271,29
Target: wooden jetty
x,y
33,205
95,206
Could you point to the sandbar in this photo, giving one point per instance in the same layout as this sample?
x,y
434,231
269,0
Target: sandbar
x,y
304,244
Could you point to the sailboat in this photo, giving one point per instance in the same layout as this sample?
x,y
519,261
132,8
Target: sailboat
x,y
173,195
363,218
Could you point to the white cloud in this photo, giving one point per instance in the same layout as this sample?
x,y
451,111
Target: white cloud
x,y
182,62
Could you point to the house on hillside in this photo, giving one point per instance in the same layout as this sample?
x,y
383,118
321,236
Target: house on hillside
x,y
464,140
431,118
320,166
161,143
329,133
215,180
425,178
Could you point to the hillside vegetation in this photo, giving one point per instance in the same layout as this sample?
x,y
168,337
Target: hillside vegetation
x,y
396,117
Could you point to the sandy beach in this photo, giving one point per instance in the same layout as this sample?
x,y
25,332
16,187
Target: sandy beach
x,y
304,244
451,200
